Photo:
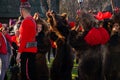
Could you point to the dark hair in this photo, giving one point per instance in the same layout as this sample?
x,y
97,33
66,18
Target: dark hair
x,y
43,23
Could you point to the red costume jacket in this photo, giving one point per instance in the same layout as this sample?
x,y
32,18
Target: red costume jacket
x,y
3,46
15,39
27,34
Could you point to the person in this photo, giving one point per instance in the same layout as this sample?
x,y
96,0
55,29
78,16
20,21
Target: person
x,y
28,46
5,50
15,44
43,45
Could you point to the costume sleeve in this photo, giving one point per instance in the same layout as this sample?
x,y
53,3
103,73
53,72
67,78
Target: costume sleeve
x,y
9,38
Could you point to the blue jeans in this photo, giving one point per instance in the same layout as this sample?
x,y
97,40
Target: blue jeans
x,y
4,64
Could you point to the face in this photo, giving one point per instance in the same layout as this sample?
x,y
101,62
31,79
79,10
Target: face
x,y
21,12
116,27
39,28
5,30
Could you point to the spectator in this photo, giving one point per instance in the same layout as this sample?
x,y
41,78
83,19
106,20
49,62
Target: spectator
x,y
5,50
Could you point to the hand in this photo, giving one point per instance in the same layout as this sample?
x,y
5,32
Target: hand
x,y
18,58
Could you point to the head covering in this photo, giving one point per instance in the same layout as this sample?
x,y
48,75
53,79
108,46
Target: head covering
x,y
25,4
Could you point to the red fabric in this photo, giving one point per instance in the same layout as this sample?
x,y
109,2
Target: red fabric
x,y
23,0
103,15
93,37
3,47
53,44
72,24
107,15
97,36
9,38
27,34
27,74
80,28
104,34
15,40
99,16
0,25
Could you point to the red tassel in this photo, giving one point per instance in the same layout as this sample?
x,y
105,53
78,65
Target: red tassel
x,y
102,16
72,24
99,16
107,15
104,34
93,37
23,0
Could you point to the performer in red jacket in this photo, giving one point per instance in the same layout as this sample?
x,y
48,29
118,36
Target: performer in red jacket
x,y
3,47
28,45
5,50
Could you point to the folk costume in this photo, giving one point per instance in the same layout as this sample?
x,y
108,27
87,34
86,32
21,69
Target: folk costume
x,y
43,46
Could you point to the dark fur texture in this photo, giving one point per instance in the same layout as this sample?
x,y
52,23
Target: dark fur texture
x,y
43,46
112,67
42,71
61,68
91,58
113,61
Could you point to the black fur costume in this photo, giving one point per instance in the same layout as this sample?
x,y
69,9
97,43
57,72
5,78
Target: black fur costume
x,y
91,58
61,68
43,46
113,61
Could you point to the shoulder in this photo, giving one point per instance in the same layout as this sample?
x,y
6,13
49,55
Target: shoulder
x,y
28,23
27,20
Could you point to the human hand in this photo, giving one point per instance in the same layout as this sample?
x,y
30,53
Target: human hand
x,y
18,58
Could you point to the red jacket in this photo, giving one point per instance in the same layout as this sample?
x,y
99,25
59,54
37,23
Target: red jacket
x,y
27,34
3,47
8,38
15,39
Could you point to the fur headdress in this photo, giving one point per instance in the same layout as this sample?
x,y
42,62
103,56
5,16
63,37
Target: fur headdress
x,y
94,35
